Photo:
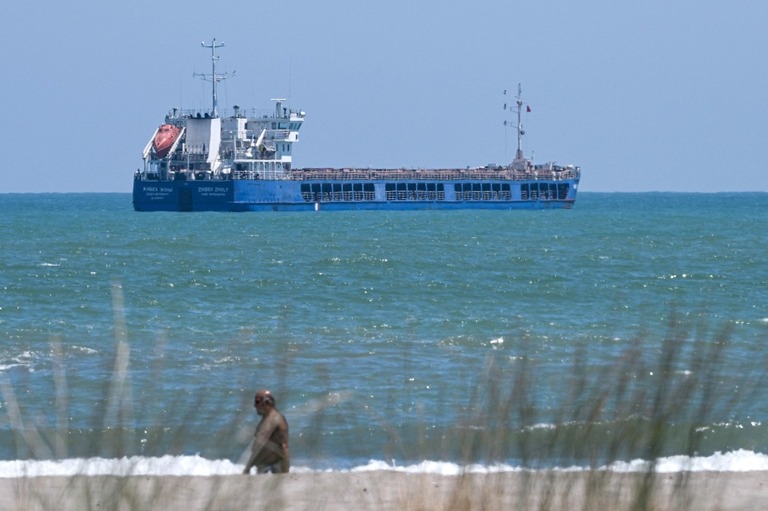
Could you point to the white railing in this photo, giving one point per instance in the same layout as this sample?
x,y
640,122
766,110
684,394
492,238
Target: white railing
x,y
481,174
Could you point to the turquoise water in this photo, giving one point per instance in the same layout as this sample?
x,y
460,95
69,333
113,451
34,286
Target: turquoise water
x,y
374,329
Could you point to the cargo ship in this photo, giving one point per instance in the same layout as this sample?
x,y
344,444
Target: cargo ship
x,y
241,161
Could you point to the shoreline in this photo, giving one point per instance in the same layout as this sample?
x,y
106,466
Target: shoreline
x,y
722,491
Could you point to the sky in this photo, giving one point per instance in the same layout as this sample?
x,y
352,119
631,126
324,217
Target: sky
x,y
645,95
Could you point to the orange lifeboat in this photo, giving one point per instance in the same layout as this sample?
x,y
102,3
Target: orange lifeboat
x,y
164,138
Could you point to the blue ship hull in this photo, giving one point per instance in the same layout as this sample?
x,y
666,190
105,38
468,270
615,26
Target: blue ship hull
x,y
290,195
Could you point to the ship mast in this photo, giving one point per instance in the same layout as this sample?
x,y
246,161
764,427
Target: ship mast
x,y
520,131
519,156
214,78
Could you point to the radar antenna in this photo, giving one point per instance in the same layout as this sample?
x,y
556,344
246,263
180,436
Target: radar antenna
x,y
214,77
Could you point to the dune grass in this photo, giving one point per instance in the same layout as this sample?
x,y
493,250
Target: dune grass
x,y
657,397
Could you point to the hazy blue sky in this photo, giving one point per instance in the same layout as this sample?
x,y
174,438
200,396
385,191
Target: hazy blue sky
x,y
643,95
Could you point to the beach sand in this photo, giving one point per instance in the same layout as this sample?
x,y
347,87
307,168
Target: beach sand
x,y
391,490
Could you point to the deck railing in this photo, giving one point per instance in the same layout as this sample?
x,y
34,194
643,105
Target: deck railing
x,y
390,175
322,174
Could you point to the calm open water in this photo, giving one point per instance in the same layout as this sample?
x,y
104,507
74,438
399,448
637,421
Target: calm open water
x,y
375,330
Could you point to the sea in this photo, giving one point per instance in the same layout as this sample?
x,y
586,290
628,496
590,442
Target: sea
x,y
626,333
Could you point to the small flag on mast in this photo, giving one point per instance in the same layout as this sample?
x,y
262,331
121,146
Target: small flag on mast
x,y
527,108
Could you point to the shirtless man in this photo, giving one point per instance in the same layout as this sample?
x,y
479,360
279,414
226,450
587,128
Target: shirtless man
x,y
270,447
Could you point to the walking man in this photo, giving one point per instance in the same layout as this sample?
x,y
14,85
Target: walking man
x,y
270,446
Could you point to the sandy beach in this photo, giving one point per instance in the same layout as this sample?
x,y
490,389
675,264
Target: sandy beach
x,y
391,490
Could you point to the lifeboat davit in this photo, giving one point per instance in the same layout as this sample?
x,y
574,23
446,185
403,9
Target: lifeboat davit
x,y
164,138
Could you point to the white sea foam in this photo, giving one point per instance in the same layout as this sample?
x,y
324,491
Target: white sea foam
x,y
735,461
136,465
25,359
